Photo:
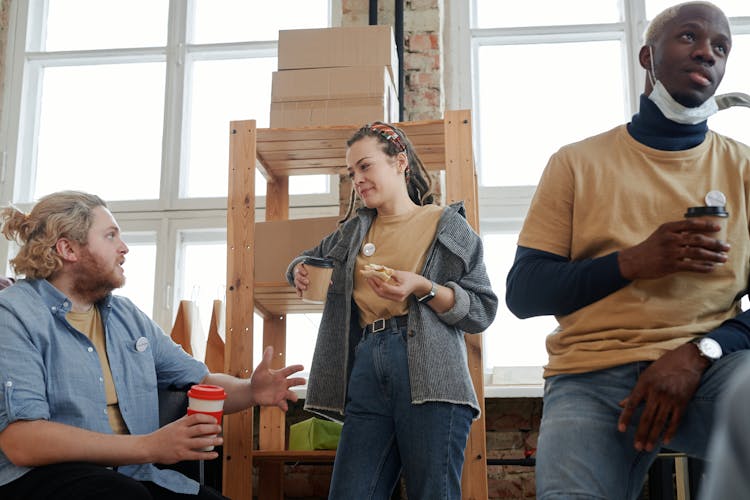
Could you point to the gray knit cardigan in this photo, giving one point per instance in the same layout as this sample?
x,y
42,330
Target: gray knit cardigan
x,y
438,369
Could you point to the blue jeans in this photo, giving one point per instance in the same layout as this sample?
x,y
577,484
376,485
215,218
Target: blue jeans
x,y
728,456
383,431
581,454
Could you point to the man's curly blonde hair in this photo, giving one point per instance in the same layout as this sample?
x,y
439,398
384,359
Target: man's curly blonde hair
x,y
66,214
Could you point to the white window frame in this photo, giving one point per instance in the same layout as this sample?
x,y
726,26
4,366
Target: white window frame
x,y
169,213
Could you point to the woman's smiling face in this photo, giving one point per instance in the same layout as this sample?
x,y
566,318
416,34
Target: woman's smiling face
x,y
377,178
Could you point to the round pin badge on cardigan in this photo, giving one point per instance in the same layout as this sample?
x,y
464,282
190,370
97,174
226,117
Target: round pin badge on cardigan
x,y
368,250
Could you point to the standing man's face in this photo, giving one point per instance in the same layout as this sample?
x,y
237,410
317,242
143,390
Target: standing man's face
x,y
690,54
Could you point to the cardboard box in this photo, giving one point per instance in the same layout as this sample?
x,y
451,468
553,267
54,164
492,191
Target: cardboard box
x,y
278,242
356,112
335,47
331,83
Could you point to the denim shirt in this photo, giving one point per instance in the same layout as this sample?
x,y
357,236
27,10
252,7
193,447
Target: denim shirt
x,y
51,371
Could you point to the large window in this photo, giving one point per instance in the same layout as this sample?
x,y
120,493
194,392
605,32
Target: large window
x,y
132,101
538,75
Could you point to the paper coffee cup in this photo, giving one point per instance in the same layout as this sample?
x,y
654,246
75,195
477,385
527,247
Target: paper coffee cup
x,y
319,271
208,399
715,214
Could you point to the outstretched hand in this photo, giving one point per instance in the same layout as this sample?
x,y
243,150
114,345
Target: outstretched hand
x,y
272,387
665,388
684,245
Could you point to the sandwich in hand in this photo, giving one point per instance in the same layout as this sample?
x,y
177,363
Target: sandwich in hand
x,y
377,271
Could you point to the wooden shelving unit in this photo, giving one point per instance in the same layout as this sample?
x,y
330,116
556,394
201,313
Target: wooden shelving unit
x,y
279,153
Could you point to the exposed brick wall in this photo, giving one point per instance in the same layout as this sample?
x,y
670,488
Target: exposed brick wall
x,y
512,429
423,96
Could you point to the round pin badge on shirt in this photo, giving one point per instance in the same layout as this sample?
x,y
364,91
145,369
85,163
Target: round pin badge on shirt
x,y
715,198
368,250
141,344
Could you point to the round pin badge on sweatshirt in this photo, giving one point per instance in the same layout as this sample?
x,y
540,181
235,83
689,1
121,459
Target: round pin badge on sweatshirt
x,y
368,250
715,198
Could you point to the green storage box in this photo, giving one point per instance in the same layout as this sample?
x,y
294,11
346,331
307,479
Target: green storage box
x,y
314,434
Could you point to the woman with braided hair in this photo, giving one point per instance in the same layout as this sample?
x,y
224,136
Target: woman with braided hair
x,y
390,354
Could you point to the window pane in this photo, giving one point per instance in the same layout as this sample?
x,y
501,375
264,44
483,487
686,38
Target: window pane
x,y
548,100
733,121
309,184
100,130
298,184
219,21
105,24
140,271
494,14
222,91
301,334
510,341
201,277
732,8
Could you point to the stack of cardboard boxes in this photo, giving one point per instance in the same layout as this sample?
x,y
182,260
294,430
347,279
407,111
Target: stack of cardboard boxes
x,y
335,76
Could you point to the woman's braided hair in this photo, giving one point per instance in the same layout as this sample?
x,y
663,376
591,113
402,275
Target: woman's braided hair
x,y
394,141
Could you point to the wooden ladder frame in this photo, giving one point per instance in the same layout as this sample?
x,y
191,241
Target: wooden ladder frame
x,y
443,145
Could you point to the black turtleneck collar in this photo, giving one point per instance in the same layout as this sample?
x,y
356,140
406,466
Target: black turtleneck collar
x,y
650,127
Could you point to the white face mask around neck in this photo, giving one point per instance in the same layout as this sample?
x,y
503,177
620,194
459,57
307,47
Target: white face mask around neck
x,y
676,111
672,109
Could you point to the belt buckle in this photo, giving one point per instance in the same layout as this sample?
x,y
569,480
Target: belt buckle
x,y
378,325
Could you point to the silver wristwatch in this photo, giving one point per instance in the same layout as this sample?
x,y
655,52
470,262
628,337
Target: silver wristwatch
x,y
430,295
708,348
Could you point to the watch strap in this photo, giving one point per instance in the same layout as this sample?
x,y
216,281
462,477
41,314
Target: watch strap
x,y
430,295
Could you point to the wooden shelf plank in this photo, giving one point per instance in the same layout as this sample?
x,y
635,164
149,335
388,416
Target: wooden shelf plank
x,y
291,456
280,298
311,151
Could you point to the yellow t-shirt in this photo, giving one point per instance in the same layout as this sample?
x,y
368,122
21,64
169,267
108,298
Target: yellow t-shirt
x,y
90,324
401,242
610,192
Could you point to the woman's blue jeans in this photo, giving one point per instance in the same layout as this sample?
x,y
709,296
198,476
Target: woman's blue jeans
x,y
384,432
581,454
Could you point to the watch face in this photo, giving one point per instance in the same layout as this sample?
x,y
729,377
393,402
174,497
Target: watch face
x,y
710,348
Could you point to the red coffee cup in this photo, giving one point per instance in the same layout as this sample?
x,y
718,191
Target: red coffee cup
x,y
208,399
